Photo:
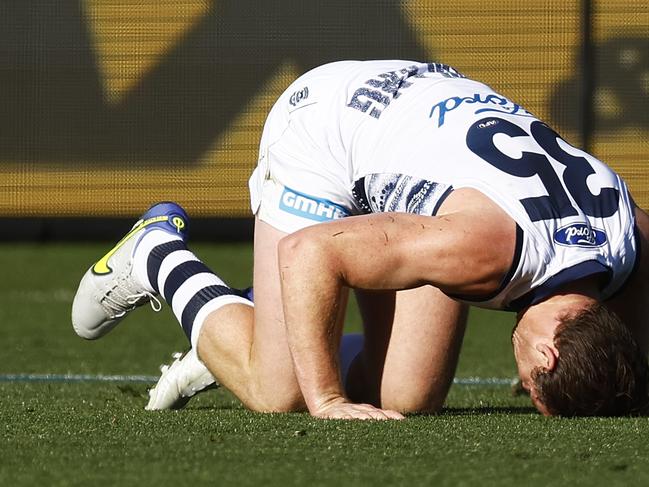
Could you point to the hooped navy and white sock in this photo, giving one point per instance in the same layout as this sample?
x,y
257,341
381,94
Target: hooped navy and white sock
x,y
164,265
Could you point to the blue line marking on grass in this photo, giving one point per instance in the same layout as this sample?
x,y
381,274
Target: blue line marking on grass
x,y
76,378
465,381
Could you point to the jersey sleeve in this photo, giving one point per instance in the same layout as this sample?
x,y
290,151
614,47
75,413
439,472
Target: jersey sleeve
x,y
389,192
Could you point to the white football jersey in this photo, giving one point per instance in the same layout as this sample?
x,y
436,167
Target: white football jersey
x,y
401,135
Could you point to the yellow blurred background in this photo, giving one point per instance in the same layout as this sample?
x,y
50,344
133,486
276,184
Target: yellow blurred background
x,y
115,104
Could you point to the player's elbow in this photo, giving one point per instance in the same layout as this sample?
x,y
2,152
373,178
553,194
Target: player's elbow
x,y
287,250
299,249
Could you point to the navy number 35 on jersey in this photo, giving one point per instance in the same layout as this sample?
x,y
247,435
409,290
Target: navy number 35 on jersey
x,y
557,204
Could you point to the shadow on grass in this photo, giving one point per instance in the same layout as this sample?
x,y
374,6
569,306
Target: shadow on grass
x,y
473,411
226,404
220,406
488,410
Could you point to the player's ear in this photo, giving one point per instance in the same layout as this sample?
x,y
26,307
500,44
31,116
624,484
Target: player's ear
x,y
550,354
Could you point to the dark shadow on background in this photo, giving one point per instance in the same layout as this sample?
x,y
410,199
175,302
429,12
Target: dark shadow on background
x,y
50,89
51,97
108,229
622,67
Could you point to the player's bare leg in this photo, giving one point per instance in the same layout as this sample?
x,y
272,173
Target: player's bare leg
x,y
251,357
246,348
408,362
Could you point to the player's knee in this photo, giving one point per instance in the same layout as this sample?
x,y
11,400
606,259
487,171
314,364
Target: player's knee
x,y
274,399
275,404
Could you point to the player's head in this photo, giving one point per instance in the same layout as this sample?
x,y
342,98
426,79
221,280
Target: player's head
x,y
593,367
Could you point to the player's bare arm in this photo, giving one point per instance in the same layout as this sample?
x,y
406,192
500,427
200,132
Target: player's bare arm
x,y
466,250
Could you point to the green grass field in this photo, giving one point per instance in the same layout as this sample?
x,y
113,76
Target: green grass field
x,y
97,433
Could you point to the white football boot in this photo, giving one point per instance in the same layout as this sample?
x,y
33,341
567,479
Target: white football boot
x,y
109,289
179,382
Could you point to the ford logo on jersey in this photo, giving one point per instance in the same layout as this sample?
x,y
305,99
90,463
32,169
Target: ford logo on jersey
x,y
310,207
580,235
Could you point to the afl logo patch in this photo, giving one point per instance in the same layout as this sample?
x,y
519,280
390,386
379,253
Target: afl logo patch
x,y
488,123
299,96
580,235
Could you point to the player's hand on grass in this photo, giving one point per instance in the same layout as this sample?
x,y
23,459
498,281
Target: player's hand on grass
x,y
343,409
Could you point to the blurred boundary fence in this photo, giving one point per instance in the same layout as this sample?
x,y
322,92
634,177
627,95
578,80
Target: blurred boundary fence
x,y
110,105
